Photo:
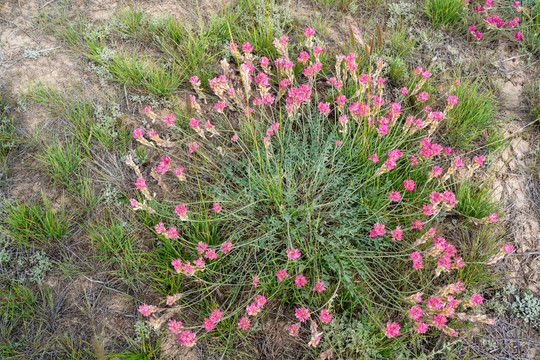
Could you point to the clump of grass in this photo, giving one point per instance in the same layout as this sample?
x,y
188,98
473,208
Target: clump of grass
x,y
443,12
474,115
62,160
36,222
475,200
117,244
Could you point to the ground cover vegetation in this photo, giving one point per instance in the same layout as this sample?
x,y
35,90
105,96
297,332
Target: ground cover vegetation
x,y
246,186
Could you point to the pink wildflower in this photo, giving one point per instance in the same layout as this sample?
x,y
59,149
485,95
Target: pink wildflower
x,y
181,210
172,233
397,234
452,100
518,35
293,329
187,338
378,230
281,274
175,326
216,315
300,281
140,183
423,96
308,32
429,210
479,159
193,146
395,196
319,287
408,184
415,313
414,160
493,217
421,327
220,105
341,100
244,323
264,61
507,248
440,320
293,254
416,257
324,108
199,262
303,57
255,280
392,329
404,91
137,133
208,324
338,142
325,316
260,300
302,314
247,47
217,208
374,158
226,247
234,138
201,248
211,254
436,172
147,310
435,303
417,224
476,299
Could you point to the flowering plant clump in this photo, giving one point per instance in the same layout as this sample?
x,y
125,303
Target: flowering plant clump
x,y
311,190
489,16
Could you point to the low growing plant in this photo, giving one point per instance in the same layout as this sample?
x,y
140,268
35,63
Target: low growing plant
x,y
323,194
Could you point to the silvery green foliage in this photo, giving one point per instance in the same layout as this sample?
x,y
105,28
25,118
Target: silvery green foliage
x,y
34,53
400,11
280,17
142,331
350,339
39,265
22,265
527,307
111,195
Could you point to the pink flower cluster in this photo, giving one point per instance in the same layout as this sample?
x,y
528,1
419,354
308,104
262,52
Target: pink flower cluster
x,y
429,149
256,306
171,233
210,323
163,166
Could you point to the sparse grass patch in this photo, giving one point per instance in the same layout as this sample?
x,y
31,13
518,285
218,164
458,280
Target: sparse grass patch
x,y
443,12
532,93
93,124
8,137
